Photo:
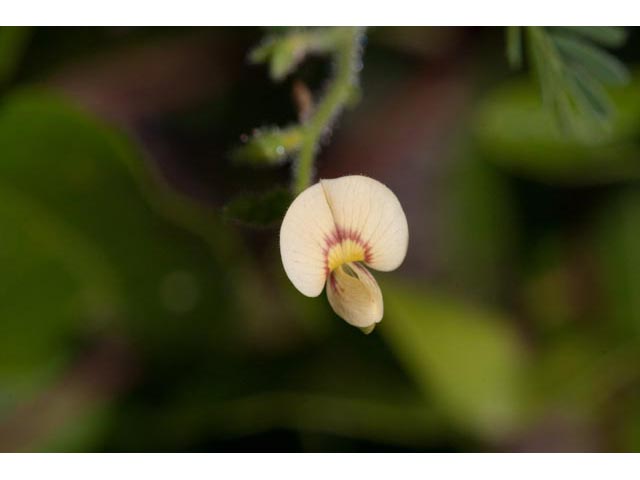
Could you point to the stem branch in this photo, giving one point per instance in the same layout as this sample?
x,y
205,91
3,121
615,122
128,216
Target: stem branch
x,y
347,64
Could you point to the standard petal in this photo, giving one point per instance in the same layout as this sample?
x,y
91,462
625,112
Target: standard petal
x,y
303,238
355,296
366,210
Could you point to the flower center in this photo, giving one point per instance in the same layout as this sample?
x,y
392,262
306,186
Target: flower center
x,y
345,246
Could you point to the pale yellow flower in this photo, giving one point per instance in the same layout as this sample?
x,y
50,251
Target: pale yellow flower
x,y
331,231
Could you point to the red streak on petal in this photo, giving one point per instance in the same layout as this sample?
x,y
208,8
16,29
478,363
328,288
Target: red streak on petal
x,y
333,283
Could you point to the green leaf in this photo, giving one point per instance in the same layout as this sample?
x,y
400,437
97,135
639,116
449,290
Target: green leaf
x,y
265,209
599,63
285,52
468,359
607,36
283,55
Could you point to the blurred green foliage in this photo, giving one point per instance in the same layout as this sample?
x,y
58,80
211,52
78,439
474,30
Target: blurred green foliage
x,y
572,67
467,358
284,52
83,249
516,131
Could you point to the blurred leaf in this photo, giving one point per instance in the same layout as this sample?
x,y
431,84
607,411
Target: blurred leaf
x,y
590,95
599,63
270,146
88,246
512,129
283,56
470,360
13,41
264,209
55,285
569,65
607,36
283,53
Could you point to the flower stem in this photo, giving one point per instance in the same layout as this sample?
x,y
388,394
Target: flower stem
x,y
347,58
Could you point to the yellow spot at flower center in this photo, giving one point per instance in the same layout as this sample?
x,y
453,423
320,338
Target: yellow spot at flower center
x,y
346,251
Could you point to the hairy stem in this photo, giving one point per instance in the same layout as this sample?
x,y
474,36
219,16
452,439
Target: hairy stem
x,y
347,60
